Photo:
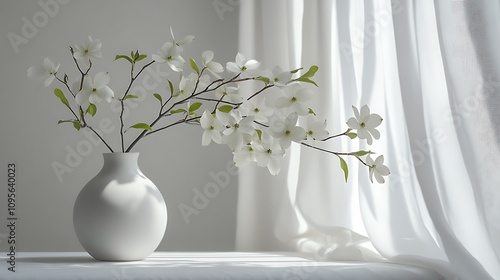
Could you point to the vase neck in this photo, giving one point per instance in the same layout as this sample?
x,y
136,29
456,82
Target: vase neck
x,y
121,160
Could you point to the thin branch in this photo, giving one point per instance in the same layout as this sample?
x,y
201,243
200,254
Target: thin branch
x,y
259,123
216,100
122,100
255,94
333,136
335,153
173,124
192,96
110,149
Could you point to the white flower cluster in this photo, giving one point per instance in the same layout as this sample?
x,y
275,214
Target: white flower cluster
x,y
253,127
256,132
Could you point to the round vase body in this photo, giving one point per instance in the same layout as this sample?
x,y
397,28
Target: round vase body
x,y
120,215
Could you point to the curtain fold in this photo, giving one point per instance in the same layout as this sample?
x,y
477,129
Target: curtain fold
x,y
430,69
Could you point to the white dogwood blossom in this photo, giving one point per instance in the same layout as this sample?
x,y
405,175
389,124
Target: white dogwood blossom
x,y
268,153
171,54
228,93
315,129
88,50
277,76
295,99
365,123
212,66
257,109
236,126
286,130
377,169
247,68
45,73
95,90
212,127
235,105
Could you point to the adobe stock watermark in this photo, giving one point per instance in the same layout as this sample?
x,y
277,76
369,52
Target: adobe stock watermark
x,y
454,118
75,155
203,196
31,26
223,6
362,38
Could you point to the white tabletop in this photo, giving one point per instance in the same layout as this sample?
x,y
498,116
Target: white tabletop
x,y
206,265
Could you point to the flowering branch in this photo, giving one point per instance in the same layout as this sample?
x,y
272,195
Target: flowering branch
x,y
254,129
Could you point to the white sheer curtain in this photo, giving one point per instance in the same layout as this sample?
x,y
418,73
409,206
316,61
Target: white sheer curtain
x,y
431,69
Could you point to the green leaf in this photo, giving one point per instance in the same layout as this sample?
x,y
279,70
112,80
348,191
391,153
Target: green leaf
x,y
136,55
141,57
130,96
158,96
344,167
263,79
144,126
177,111
92,109
64,121
306,80
225,108
194,66
194,107
259,133
361,153
76,124
296,70
61,96
171,87
351,135
310,73
124,57
311,112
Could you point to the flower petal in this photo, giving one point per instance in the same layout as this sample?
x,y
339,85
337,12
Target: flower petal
x,y
353,123
370,172
95,98
101,79
37,72
158,58
48,65
106,93
215,67
365,112
374,132
207,56
206,138
304,95
186,40
206,120
383,170
216,137
232,67
283,102
82,97
49,80
356,112
274,166
298,134
285,142
379,178
374,120
239,59
252,64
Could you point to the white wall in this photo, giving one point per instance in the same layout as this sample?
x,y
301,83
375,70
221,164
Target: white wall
x,y
29,136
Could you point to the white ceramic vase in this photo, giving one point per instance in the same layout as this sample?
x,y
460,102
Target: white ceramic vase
x,y
120,215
